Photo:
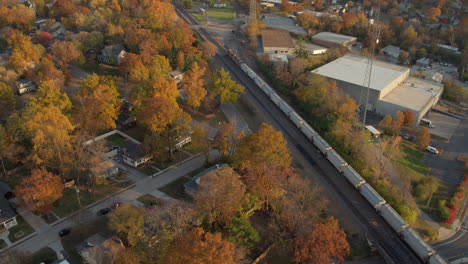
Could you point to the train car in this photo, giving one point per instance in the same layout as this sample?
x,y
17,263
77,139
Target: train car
x,y
321,144
393,218
418,244
276,99
353,177
296,119
372,196
336,160
285,107
436,259
308,131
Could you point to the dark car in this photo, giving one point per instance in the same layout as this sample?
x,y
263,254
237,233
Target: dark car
x,y
9,195
64,232
103,211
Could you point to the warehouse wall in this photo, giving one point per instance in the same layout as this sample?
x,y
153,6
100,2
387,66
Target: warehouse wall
x,y
354,91
278,50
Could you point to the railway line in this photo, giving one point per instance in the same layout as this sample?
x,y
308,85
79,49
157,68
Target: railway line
x,y
388,242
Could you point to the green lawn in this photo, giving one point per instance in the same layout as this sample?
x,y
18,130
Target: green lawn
x,y
178,157
409,161
117,139
226,13
22,226
69,202
147,199
444,192
175,189
45,255
136,132
2,243
197,16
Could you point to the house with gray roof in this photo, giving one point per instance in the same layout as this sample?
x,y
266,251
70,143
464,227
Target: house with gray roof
x,y
191,187
112,54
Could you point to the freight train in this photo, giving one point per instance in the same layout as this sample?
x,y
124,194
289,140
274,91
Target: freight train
x,y
419,246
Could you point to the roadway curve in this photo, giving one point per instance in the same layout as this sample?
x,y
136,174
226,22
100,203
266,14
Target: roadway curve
x,y
384,238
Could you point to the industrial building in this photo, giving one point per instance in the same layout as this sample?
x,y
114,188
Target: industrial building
x,y
391,87
333,40
277,42
284,23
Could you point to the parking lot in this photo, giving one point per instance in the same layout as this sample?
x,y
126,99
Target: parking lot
x,y
446,165
444,124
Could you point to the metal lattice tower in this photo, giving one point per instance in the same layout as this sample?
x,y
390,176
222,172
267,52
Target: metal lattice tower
x,y
364,96
253,9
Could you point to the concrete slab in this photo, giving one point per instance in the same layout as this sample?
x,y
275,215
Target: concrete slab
x,y
444,125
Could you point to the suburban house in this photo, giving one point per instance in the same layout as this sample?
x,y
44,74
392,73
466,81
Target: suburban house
x,y
133,154
100,249
112,54
7,215
25,86
191,187
57,29
277,42
177,75
391,51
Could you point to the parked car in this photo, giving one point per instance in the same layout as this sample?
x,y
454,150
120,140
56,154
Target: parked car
x,y
64,232
116,205
432,150
8,195
407,137
104,211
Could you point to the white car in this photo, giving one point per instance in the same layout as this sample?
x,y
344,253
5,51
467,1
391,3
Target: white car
x,y
432,150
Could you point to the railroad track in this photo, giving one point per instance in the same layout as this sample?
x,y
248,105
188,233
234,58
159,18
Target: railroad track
x,y
383,237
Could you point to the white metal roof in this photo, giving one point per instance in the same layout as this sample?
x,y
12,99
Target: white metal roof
x,y
333,37
373,130
414,93
352,69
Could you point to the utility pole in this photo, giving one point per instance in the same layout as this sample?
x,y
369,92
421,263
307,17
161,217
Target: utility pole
x,y
78,196
253,9
374,32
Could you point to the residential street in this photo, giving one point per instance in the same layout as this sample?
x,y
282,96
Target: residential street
x,y
48,235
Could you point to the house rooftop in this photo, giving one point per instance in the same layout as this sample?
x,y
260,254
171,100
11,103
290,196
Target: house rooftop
x,y
413,93
175,73
133,150
101,248
277,38
193,184
352,69
284,23
113,50
6,213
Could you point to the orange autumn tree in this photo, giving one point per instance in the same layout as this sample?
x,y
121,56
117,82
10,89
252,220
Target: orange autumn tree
x,y
200,247
264,160
40,189
193,83
325,242
220,196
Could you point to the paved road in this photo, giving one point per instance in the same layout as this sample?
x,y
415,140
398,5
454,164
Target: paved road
x,y
447,168
48,236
